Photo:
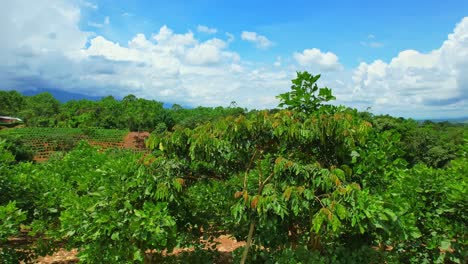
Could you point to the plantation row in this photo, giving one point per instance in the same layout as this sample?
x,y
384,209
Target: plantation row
x,y
43,142
312,183
38,133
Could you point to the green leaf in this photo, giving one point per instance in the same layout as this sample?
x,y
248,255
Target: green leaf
x,y
137,255
335,223
341,211
115,236
390,213
445,245
415,234
317,222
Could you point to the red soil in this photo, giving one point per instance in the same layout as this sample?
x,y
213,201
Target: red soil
x,y
226,244
133,140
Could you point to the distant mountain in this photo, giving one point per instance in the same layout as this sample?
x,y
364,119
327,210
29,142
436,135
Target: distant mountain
x,y
463,120
62,96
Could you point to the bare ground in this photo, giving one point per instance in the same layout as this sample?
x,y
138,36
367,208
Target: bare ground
x,y
226,244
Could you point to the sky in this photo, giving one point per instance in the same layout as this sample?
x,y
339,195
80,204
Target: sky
x,y
403,58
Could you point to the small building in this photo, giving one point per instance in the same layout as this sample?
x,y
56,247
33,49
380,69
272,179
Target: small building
x,y
9,121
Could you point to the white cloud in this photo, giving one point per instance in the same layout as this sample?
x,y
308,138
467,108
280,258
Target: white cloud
x,y
418,84
96,25
206,53
39,27
324,61
167,38
167,66
90,5
260,41
43,47
100,25
205,29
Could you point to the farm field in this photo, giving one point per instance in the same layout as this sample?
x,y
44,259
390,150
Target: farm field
x,y
233,132
307,182
44,142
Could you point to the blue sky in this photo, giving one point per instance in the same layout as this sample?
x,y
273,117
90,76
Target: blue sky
x,y
405,58
338,26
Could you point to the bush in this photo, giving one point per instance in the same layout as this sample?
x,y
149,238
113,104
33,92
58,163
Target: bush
x,y
18,148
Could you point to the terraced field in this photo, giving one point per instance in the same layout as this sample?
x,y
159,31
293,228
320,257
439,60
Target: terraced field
x,y
46,141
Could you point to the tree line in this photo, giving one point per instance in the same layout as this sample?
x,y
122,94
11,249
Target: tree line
x,y
131,113
431,143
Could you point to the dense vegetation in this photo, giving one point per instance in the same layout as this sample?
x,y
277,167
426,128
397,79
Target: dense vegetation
x,y
311,183
30,142
130,113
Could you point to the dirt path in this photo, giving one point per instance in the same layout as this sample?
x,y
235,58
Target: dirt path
x,y
135,140
226,244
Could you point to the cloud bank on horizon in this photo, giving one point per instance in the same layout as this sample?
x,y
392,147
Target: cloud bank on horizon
x,y
44,46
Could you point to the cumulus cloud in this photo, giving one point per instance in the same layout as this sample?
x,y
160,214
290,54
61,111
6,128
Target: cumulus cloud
x,y
205,29
325,61
46,49
418,84
43,47
260,41
39,28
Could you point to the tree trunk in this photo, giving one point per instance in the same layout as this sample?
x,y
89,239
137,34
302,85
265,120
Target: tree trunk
x,y
249,242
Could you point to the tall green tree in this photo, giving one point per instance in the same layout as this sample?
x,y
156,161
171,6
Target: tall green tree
x,y
11,103
305,96
41,110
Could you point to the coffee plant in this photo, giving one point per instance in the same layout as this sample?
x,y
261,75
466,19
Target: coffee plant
x,y
310,183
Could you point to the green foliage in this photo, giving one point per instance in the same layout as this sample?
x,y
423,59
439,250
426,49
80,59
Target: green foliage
x,y
437,198
19,148
434,144
191,118
6,161
12,103
376,163
303,97
24,142
6,156
289,175
108,205
130,113
40,110
10,219
302,255
312,183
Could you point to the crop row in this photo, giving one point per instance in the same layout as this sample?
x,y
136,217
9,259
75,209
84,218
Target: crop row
x,y
43,135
